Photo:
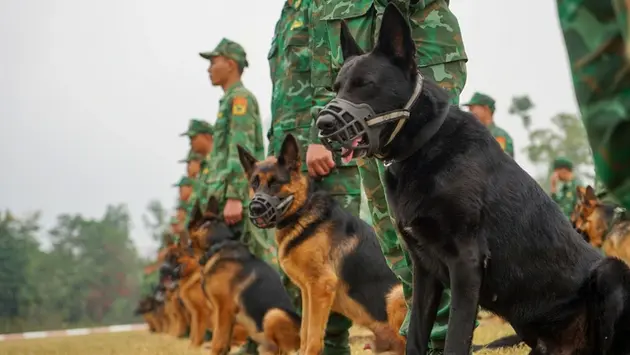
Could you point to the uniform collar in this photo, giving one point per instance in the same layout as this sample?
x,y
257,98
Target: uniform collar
x,y
232,88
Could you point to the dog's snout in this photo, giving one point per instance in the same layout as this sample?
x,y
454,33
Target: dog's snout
x,y
325,123
256,209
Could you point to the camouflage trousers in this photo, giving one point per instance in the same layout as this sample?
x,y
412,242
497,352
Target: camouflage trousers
x,y
597,42
452,77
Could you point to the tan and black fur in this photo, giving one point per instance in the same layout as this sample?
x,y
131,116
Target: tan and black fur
x,y
594,220
333,257
243,291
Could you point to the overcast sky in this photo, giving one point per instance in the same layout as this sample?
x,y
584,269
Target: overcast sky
x,y
93,94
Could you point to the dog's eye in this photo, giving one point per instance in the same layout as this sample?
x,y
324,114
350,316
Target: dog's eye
x,y
361,82
255,182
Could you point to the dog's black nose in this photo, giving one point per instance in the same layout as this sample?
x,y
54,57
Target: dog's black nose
x,y
325,123
256,209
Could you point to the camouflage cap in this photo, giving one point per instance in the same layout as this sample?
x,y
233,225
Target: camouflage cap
x,y
482,100
229,49
184,181
191,156
562,162
197,126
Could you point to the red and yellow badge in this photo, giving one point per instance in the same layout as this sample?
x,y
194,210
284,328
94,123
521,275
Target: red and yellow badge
x,y
501,141
239,106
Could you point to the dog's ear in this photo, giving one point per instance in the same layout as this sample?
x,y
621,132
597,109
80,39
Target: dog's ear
x,y
195,215
213,206
394,39
579,192
590,194
290,153
349,47
247,160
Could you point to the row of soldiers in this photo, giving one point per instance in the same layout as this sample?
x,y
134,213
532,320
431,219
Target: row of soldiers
x,y
304,59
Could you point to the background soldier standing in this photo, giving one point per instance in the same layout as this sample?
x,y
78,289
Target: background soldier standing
x,y
238,123
596,37
200,134
193,165
564,184
483,106
289,64
441,57
185,186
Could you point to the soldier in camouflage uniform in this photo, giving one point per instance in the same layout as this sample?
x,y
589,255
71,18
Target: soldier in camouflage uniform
x,y
483,106
238,123
193,165
596,37
292,98
185,186
564,184
441,57
200,134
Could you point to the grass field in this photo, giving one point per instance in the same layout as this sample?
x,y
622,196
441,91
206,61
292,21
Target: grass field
x,y
143,343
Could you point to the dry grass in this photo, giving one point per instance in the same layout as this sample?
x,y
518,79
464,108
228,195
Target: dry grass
x,y
142,343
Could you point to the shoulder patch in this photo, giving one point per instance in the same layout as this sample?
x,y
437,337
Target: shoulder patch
x,y
239,106
502,142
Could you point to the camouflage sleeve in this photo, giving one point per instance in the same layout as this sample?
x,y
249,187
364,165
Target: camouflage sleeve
x,y
509,146
242,124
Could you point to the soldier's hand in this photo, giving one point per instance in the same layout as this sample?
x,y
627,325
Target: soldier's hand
x,y
319,160
233,211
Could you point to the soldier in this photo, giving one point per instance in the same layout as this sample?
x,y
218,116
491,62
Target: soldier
x,y
289,63
201,138
596,37
193,165
482,106
238,123
564,184
441,57
185,185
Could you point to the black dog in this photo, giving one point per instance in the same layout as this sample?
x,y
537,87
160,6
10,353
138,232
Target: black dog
x,y
471,218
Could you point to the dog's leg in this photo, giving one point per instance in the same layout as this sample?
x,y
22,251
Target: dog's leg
x,y
465,272
426,298
224,318
305,319
321,298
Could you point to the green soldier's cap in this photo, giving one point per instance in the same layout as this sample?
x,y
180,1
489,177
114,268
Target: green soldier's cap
x,y
174,220
181,205
482,100
562,162
184,181
191,156
229,49
196,126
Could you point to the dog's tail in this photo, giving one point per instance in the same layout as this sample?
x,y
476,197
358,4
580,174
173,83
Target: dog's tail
x,y
606,292
505,342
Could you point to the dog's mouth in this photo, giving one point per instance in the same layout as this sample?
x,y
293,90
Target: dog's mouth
x,y
347,154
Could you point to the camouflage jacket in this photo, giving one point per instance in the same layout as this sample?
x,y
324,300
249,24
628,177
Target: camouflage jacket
x,y
503,138
289,66
199,189
238,123
566,196
434,28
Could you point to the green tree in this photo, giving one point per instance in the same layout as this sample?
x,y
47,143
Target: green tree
x,y
564,137
155,220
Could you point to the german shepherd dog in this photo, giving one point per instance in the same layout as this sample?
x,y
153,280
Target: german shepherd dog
x,y
243,290
185,270
472,219
597,222
148,307
333,257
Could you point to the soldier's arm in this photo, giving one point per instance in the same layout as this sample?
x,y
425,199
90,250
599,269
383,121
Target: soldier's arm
x,y
509,145
242,123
